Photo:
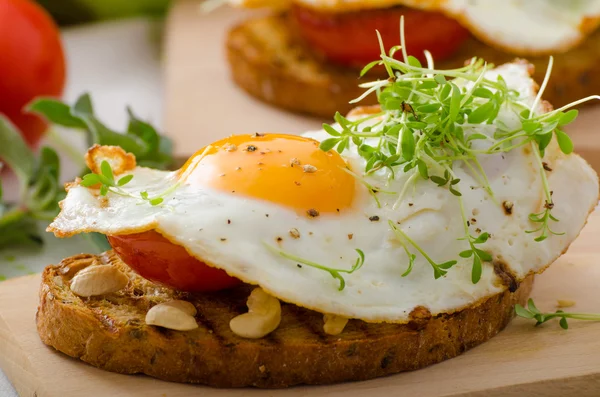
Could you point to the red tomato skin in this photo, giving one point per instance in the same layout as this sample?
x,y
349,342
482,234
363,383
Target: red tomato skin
x,y
156,259
32,63
350,39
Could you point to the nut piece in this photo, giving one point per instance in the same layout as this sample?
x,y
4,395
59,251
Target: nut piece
x,y
98,280
263,317
334,325
176,314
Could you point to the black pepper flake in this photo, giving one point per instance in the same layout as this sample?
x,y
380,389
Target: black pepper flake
x,y
508,207
374,218
546,166
549,205
257,135
313,213
468,223
267,215
473,221
299,265
410,204
350,235
263,152
233,191
478,230
279,239
251,148
297,183
229,221
310,233
337,209
223,239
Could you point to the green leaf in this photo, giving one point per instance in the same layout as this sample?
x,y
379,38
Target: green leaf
x,y
544,140
477,136
103,190
427,85
477,270
447,265
428,108
482,92
481,114
342,145
125,180
484,255
144,195
328,144
89,180
107,171
156,201
522,312
407,144
438,180
56,112
330,130
564,142
568,117
422,167
482,238
15,152
412,61
531,306
440,79
466,254
455,102
83,105
563,323
370,66
341,120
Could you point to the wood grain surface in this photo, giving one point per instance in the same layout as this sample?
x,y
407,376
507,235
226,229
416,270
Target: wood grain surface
x,y
203,104
522,360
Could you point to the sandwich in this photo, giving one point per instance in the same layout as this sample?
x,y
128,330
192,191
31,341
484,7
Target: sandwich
x,y
312,48
402,235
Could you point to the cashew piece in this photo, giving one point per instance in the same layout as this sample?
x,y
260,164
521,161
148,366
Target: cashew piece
x,y
263,317
98,280
176,314
334,325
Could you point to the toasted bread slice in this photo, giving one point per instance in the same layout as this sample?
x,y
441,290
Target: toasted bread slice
x,y
269,61
109,332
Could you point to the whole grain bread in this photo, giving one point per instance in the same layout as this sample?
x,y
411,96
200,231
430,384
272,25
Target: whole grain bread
x,y
269,61
109,332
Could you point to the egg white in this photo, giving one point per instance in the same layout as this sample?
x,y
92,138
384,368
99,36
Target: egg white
x,y
229,231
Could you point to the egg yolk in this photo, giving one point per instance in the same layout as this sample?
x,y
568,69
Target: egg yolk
x,y
284,169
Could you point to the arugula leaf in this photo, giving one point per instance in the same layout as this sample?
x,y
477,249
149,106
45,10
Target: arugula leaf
x,y
149,147
15,152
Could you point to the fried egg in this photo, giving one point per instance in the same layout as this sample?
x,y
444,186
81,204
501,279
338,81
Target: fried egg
x,y
239,202
523,27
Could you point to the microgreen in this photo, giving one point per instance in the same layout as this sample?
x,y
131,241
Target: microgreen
x,y
335,273
108,183
533,313
439,269
40,189
434,120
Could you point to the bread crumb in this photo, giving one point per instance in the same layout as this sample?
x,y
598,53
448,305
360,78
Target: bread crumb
x,y
562,303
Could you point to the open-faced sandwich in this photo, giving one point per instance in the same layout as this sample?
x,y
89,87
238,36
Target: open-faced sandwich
x,y
303,57
398,237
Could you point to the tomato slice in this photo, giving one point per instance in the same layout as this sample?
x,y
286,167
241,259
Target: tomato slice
x,y
349,38
157,259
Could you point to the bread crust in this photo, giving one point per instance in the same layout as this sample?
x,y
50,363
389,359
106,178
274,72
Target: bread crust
x,y
269,61
109,332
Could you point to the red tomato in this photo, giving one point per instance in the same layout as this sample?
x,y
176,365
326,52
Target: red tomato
x,y
157,259
349,38
32,63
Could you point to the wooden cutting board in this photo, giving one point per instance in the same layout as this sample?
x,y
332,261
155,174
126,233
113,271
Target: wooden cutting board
x,y
203,104
521,361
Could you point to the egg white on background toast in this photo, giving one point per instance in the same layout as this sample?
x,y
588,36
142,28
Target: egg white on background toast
x,y
239,201
524,27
